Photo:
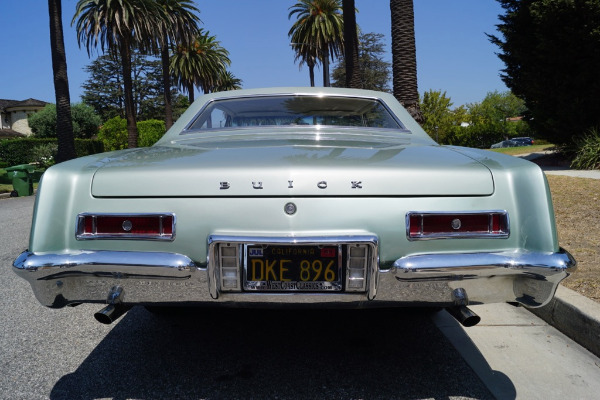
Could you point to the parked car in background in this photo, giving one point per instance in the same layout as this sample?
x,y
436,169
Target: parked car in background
x,y
294,197
524,141
514,142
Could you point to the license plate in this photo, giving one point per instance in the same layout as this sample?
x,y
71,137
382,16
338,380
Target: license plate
x,y
302,268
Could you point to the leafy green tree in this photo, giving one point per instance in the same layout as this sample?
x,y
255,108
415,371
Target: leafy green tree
x,y
200,64
180,26
317,33
66,144
551,53
437,114
404,56
375,72
443,123
228,81
85,121
489,120
104,90
120,26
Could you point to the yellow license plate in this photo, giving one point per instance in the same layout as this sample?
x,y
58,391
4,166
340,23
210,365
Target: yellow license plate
x,y
281,268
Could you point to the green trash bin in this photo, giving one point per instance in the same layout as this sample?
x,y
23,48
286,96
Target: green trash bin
x,y
22,179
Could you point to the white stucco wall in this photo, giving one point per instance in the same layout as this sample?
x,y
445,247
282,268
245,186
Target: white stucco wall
x,y
4,121
19,123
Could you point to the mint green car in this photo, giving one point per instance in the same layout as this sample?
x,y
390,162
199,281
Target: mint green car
x,y
294,197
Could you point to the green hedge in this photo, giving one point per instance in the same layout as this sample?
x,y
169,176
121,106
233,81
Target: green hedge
x,y
114,133
18,151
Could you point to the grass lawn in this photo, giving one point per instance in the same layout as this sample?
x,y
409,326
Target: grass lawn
x,y
578,222
524,149
5,182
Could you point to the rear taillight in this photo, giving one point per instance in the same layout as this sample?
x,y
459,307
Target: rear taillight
x,y
126,226
431,225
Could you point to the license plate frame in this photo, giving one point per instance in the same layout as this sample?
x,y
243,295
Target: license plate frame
x,y
293,268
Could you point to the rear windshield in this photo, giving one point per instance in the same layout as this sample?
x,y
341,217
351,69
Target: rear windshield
x,y
294,111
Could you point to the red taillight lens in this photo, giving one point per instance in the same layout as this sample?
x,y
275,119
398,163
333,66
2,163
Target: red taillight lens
x,y
113,226
457,225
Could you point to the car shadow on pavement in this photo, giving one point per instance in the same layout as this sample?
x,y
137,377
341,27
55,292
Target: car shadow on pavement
x,y
268,354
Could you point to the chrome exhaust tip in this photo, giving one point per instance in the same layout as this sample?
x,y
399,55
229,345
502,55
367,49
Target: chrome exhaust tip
x,y
460,311
464,315
110,313
114,309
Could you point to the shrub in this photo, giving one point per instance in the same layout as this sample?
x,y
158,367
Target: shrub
x,y
18,151
85,121
44,154
150,132
587,150
113,134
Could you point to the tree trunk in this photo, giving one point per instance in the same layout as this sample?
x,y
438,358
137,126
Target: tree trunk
x,y
64,124
132,133
190,89
311,72
404,57
325,55
351,45
164,55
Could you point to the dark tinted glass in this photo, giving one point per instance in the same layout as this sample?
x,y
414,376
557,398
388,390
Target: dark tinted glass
x,y
295,110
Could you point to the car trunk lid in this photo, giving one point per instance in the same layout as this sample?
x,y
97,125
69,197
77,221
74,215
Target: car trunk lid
x,y
292,169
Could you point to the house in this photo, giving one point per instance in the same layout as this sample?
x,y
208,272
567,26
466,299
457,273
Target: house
x,y
13,116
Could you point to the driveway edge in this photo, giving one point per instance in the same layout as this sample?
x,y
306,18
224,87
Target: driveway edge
x,y
574,315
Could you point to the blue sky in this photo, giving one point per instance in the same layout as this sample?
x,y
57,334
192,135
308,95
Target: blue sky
x,y
453,53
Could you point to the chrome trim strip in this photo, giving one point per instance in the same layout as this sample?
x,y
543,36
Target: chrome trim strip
x,y
29,262
80,220
187,129
464,235
436,263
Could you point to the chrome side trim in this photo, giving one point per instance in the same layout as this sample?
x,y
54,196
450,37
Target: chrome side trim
x,y
436,263
29,262
463,235
79,228
214,240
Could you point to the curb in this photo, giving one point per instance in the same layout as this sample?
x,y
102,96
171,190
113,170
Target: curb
x,y
574,315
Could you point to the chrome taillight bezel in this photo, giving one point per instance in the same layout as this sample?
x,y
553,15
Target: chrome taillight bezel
x,y
503,232
166,226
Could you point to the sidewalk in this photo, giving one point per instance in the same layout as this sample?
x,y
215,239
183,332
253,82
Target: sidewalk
x,y
574,315
556,170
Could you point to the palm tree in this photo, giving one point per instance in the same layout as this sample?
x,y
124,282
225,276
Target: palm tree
x,y
119,26
319,25
64,124
351,45
200,64
404,57
181,26
307,54
227,81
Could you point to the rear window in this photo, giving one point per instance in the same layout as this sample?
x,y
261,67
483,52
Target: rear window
x,y
294,111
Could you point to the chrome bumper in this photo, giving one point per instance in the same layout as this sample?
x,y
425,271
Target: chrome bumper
x,y
174,279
